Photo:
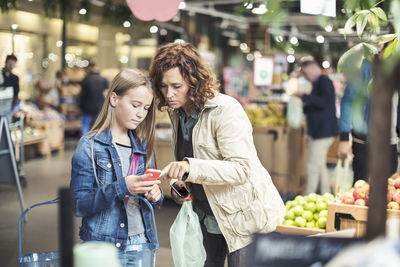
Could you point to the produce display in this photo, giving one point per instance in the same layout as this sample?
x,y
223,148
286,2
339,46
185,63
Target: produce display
x,y
267,115
359,193
308,211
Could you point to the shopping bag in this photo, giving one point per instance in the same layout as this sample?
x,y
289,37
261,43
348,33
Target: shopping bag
x,y
343,176
186,238
294,113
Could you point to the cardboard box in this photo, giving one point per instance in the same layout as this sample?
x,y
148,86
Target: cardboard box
x,y
342,216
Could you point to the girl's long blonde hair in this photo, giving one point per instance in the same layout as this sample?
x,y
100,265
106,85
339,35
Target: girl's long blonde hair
x,y
125,80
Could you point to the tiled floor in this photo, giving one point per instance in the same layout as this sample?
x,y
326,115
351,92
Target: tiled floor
x,y
45,177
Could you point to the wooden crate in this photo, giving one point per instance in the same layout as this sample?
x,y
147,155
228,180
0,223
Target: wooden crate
x,y
342,216
293,230
54,130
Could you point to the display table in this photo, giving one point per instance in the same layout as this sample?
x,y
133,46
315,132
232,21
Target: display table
x,y
293,230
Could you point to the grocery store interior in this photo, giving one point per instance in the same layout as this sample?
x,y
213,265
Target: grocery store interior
x,y
255,49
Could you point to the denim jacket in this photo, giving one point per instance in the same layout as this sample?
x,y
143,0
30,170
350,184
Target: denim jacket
x,y
102,206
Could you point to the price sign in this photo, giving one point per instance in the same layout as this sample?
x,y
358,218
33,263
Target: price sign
x,y
263,71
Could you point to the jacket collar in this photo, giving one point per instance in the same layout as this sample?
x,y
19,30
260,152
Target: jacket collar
x,y
105,138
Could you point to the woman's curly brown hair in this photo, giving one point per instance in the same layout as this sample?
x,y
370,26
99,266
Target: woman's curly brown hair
x,y
201,82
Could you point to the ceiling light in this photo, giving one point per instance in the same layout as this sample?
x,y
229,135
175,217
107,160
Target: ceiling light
x,y
126,24
320,39
328,28
249,57
163,32
293,40
257,54
14,26
291,59
153,29
260,10
59,43
123,59
279,38
290,51
249,6
243,46
82,11
326,64
182,5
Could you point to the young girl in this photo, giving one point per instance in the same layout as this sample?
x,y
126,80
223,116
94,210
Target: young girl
x,y
109,163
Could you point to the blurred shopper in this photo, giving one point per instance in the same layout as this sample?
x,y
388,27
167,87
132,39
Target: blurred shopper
x,y
91,97
354,116
232,193
320,111
9,78
109,163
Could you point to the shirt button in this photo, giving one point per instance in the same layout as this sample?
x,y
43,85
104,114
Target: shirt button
x,y
119,164
122,225
118,245
109,165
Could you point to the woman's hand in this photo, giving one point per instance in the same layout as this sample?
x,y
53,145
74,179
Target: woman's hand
x,y
154,194
136,185
176,170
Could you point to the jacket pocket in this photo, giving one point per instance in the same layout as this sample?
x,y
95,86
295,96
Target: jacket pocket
x,y
244,213
104,170
208,152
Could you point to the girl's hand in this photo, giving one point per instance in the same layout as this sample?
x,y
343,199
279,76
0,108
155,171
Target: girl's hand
x,y
154,194
176,170
136,185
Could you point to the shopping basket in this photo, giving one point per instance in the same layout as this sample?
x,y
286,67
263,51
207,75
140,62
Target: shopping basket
x,y
143,255
42,259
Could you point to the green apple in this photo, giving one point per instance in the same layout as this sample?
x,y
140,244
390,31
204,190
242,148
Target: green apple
x,y
308,215
310,224
321,223
298,210
316,216
300,221
289,222
300,200
290,215
289,204
311,206
329,197
323,213
312,197
322,206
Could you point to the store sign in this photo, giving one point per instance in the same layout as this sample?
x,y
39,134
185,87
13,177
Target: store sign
x,y
161,10
320,7
263,71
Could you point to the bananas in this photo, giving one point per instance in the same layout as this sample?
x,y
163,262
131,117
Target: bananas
x,y
268,115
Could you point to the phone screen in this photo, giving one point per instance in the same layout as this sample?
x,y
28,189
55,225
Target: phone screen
x,y
182,192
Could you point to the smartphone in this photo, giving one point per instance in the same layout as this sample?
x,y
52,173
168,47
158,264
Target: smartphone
x,y
182,192
156,174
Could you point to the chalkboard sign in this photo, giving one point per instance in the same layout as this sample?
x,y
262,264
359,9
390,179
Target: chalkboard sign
x,y
278,250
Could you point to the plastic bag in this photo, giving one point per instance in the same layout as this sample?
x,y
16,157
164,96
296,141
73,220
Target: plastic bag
x,y
294,114
186,238
343,177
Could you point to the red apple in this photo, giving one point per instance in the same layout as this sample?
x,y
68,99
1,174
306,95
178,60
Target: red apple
x,y
391,187
393,205
360,202
359,183
396,197
390,194
396,182
360,192
347,198
391,181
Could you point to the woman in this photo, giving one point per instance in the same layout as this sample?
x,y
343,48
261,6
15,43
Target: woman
x,y
232,193
109,163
